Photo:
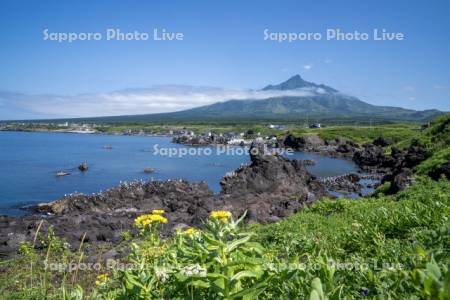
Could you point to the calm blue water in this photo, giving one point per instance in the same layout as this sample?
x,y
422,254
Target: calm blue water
x,y
29,161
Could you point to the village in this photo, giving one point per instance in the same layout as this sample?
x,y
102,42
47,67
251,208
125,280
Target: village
x,y
183,135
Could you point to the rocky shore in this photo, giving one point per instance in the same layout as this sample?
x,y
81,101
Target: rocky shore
x,y
270,187
395,167
339,147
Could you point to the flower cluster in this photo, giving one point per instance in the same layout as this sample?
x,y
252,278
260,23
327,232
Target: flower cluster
x,y
101,279
221,215
158,211
191,231
193,270
146,220
161,273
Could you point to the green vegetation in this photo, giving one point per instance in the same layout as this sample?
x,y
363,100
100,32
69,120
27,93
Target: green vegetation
x,y
436,138
410,230
393,133
386,247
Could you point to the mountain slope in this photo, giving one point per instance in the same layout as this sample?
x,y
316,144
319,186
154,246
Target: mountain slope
x,y
293,100
320,102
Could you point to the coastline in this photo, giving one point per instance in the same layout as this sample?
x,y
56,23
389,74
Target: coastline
x,y
309,148
270,188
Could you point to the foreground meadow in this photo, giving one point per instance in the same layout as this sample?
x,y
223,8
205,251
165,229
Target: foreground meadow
x,y
384,247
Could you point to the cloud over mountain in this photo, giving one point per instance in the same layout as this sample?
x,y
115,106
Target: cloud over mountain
x,y
157,99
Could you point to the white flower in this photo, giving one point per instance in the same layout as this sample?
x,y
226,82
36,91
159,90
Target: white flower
x,y
194,270
162,274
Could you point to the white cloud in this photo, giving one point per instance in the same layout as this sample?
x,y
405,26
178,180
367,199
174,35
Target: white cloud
x,y
307,67
328,61
440,87
157,99
412,98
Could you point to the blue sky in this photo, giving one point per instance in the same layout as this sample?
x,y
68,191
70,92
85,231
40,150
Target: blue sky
x,y
223,47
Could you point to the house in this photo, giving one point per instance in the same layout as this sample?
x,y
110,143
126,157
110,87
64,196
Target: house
x,y
315,125
277,126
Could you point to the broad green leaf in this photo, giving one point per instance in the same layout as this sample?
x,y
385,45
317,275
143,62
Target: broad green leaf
x,y
243,274
434,270
250,293
230,247
314,295
199,283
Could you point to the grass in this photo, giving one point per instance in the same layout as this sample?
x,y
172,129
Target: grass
x,y
393,133
394,247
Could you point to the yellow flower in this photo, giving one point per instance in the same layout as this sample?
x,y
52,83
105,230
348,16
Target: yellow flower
x,y
101,278
158,211
221,215
218,214
191,231
146,220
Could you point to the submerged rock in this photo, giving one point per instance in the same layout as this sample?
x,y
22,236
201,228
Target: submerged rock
x,y
83,167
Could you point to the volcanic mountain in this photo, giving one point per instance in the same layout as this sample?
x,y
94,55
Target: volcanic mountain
x,y
293,100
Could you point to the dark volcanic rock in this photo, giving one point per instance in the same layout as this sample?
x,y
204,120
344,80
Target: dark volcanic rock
x,y
396,166
270,186
373,157
380,141
83,167
102,217
134,196
345,184
369,156
414,156
401,181
291,141
442,170
313,143
214,139
307,142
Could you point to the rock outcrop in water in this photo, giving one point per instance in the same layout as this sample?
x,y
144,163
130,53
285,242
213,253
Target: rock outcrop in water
x,y
397,166
270,187
102,217
371,157
83,167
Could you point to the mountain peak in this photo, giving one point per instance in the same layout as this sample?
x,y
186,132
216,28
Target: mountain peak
x,y
297,82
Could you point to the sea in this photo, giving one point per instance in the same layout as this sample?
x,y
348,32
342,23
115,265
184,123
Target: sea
x,y
29,162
